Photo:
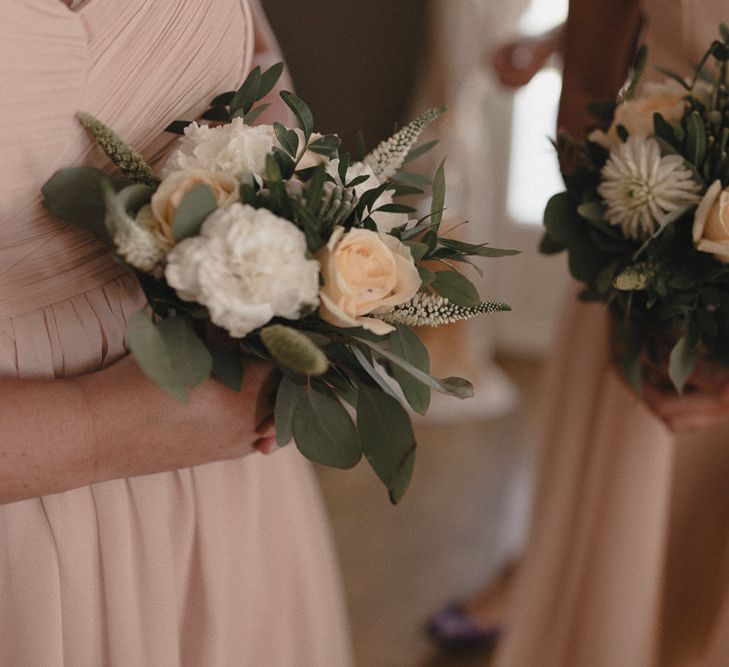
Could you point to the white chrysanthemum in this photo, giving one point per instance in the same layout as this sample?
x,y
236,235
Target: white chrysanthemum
x,y
385,221
642,188
140,248
235,147
246,266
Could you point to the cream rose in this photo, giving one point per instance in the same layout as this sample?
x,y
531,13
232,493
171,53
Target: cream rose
x,y
159,214
711,223
636,115
365,272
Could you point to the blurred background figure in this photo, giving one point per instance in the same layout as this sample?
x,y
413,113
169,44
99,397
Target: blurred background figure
x,y
370,67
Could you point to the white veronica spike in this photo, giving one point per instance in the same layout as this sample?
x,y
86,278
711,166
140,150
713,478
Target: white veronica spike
x,y
428,310
389,156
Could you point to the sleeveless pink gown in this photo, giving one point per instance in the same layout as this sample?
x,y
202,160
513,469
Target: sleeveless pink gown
x,y
223,564
628,559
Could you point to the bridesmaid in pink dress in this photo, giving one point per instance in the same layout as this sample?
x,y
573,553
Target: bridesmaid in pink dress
x,y
628,561
116,547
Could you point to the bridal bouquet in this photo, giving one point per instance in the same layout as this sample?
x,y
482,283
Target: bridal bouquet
x,y
645,218
267,241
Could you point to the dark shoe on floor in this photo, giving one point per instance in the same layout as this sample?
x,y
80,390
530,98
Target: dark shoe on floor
x,y
453,629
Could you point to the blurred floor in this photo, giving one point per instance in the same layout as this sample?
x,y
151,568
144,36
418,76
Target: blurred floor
x,y
441,542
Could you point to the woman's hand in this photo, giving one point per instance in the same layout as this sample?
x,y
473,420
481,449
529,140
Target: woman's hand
x,y
516,63
704,402
59,435
217,423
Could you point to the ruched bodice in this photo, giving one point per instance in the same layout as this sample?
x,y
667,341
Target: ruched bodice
x,y
130,64
228,563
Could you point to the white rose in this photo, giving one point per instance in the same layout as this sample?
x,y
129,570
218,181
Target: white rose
x,y
385,222
365,272
159,214
246,266
711,223
236,148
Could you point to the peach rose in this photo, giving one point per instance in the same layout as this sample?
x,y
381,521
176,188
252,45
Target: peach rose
x,y
365,272
636,115
160,213
711,223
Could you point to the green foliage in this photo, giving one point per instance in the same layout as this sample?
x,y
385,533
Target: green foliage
x,y
227,367
453,386
77,196
406,344
301,111
456,288
288,396
323,430
387,439
195,207
170,353
439,192
682,362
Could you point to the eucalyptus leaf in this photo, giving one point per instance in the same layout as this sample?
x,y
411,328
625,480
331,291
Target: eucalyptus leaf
x,y
481,250
301,111
269,79
178,126
457,387
170,353
287,398
681,363
456,288
426,276
417,250
227,367
387,439
288,139
411,178
592,210
416,152
406,344
695,139
217,113
324,432
195,207
247,94
77,196
439,192
369,368
252,116
223,100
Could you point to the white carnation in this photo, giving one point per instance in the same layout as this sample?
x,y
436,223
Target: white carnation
x,y
235,147
385,221
246,266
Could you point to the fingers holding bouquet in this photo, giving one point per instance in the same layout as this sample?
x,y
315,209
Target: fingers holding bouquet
x,y
704,400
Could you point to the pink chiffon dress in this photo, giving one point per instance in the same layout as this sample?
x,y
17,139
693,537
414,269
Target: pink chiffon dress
x,y
628,559
229,563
